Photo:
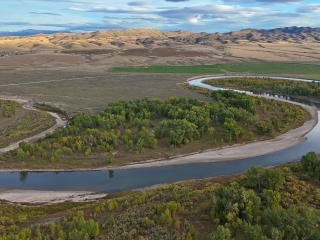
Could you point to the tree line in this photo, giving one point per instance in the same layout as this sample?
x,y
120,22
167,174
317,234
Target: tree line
x,y
275,86
137,125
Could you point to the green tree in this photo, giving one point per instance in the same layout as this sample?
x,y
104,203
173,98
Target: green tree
x,y
222,233
310,161
255,177
110,157
253,232
274,179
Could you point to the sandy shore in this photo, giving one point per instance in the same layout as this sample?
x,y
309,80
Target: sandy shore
x,y
47,197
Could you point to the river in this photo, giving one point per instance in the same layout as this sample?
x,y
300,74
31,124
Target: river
x,y
111,181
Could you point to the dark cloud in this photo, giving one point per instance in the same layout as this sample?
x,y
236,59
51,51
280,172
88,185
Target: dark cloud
x,y
46,13
310,8
139,3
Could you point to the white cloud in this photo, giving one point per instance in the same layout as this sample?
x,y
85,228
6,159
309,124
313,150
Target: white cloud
x,y
195,19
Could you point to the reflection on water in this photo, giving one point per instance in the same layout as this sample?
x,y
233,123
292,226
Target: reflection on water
x,y
130,179
23,176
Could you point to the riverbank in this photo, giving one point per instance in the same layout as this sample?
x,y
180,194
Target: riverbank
x,y
241,151
18,196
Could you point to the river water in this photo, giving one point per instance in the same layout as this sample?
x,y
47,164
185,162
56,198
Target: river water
x,y
110,181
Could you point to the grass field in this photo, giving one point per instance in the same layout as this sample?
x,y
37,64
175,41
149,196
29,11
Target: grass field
x,y
307,70
170,69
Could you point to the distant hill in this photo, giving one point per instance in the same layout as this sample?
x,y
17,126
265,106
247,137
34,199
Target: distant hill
x,y
151,38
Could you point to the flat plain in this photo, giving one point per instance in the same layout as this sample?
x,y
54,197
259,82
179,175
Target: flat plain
x,y
77,89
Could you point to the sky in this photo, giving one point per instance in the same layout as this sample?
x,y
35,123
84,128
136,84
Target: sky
x,y
168,15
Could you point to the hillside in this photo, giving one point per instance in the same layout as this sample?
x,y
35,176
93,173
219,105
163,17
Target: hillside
x,y
114,39
147,47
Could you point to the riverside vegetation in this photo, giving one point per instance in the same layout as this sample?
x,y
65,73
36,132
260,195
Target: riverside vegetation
x,y
146,129
270,204
274,86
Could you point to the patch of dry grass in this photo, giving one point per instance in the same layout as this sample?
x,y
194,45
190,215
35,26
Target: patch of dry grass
x,y
91,91
22,124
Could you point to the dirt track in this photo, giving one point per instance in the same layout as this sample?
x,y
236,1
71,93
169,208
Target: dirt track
x,y
59,123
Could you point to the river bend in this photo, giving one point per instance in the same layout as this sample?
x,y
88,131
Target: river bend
x,y
111,181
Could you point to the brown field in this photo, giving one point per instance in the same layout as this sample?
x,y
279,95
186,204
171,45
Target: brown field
x,y
279,52
173,55
89,51
70,71
90,91
172,52
35,61
135,52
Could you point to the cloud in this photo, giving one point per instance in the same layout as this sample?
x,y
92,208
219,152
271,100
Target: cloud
x,y
210,11
46,13
195,19
73,1
176,0
266,1
310,8
140,10
152,19
138,3
15,23
168,15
